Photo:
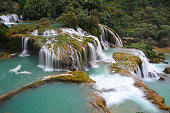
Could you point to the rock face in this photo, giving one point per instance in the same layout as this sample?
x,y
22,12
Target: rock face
x,y
167,70
152,95
71,77
97,104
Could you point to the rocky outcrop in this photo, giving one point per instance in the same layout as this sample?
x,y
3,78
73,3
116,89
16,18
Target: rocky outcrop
x,y
152,95
127,61
5,55
167,70
71,77
97,104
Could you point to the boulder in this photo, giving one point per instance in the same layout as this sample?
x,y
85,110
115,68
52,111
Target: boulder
x,y
167,70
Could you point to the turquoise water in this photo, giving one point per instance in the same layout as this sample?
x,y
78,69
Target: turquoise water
x,y
62,97
124,99
51,98
10,81
162,87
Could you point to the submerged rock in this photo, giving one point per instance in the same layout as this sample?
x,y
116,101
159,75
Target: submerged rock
x,y
71,77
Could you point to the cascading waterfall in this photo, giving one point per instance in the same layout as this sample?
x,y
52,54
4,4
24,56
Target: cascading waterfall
x,y
99,50
24,47
66,58
47,56
103,39
115,36
85,58
9,19
146,70
50,33
92,52
50,60
35,32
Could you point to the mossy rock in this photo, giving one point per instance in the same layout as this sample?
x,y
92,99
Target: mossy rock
x,y
167,70
127,60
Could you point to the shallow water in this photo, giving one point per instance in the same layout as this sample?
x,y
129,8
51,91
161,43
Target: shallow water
x,y
10,81
51,98
161,87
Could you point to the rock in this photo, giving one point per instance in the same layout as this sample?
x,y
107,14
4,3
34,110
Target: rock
x,y
72,69
127,60
97,104
71,77
167,70
152,95
4,56
162,79
165,62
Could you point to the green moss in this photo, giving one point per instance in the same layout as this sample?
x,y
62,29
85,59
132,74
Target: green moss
x,y
127,60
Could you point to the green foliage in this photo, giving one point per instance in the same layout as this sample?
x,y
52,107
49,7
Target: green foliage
x,y
146,47
69,19
145,31
36,9
2,34
6,6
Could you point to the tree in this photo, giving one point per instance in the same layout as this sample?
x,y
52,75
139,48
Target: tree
x,y
68,19
36,9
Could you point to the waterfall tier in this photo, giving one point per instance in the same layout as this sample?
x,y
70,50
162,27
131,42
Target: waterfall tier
x,y
24,47
146,70
9,19
105,37
70,48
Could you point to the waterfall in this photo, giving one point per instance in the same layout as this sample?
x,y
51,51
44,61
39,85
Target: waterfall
x,y
47,57
92,56
68,56
35,32
24,47
85,58
9,19
58,60
103,39
146,70
115,36
99,50
50,33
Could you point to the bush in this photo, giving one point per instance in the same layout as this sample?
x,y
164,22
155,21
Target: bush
x,y
68,19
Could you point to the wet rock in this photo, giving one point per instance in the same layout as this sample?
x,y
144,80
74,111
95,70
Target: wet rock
x,y
127,60
162,79
72,69
152,95
97,104
167,70
165,62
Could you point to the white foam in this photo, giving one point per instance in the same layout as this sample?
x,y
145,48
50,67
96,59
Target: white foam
x,y
116,89
17,69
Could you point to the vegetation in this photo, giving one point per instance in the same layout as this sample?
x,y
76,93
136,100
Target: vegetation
x,y
146,47
127,60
